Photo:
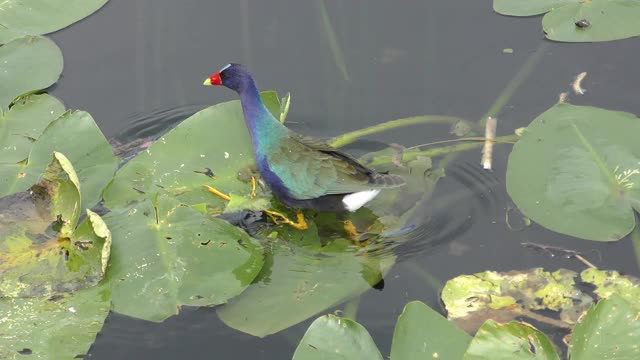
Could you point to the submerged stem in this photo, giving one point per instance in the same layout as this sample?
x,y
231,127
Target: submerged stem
x,y
348,138
351,308
515,83
410,155
543,319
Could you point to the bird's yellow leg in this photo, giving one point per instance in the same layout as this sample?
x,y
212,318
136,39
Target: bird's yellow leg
x,y
353,234
279,218
350,229
217,193
253,187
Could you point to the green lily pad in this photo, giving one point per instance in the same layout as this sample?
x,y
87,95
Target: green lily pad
x,y
77,136
43,16
576,170
23,124
512,341
218,141
28,63
331,337
610,330
422,333
59,327
167,254
578,20
601,20
40,253
302,280
272,103
528,8
240,203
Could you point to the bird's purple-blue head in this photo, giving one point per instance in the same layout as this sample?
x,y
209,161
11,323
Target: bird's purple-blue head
x,y
234,76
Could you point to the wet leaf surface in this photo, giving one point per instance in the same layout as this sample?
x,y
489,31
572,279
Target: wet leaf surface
x,y
218,140
300,279
528,8
595,20
166,254
60,327
512,341
41,251
422,333
27,63
20,18
610,330
331,337
576,170
23,124
579,21
89,152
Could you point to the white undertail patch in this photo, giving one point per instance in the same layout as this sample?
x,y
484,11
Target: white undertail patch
x,y
355,201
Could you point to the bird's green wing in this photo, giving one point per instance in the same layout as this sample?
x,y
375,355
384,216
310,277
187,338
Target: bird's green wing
x,y
311,169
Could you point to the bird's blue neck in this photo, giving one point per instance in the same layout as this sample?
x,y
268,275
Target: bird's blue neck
x,y
263,127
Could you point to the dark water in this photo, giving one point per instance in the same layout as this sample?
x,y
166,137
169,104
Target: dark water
x,y
137,67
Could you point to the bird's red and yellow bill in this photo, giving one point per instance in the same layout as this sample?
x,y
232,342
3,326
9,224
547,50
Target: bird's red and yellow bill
x,y
213,80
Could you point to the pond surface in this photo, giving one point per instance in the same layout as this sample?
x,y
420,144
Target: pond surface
x,y
137,67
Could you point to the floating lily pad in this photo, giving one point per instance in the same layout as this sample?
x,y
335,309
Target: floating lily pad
x,y
610,330
528,8
330,337
576,170
512,341
40,253
422,333
218,141
28,63
40,17
77,136
240,203
166,254
23,124
578,20
300,281
593,20
59,327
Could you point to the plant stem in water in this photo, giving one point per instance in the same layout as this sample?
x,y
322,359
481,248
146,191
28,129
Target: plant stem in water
x,y
410,155
348,138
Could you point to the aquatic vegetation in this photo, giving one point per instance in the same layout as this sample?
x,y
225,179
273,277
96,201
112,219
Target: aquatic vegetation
x,y
575,171
155,240
577,20
608,329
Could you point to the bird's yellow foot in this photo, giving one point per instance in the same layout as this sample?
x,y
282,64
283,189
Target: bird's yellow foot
x,y
350,229
253,187
217,193
354,235
279,218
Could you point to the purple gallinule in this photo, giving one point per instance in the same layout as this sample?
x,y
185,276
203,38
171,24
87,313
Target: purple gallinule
x,y
300,171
